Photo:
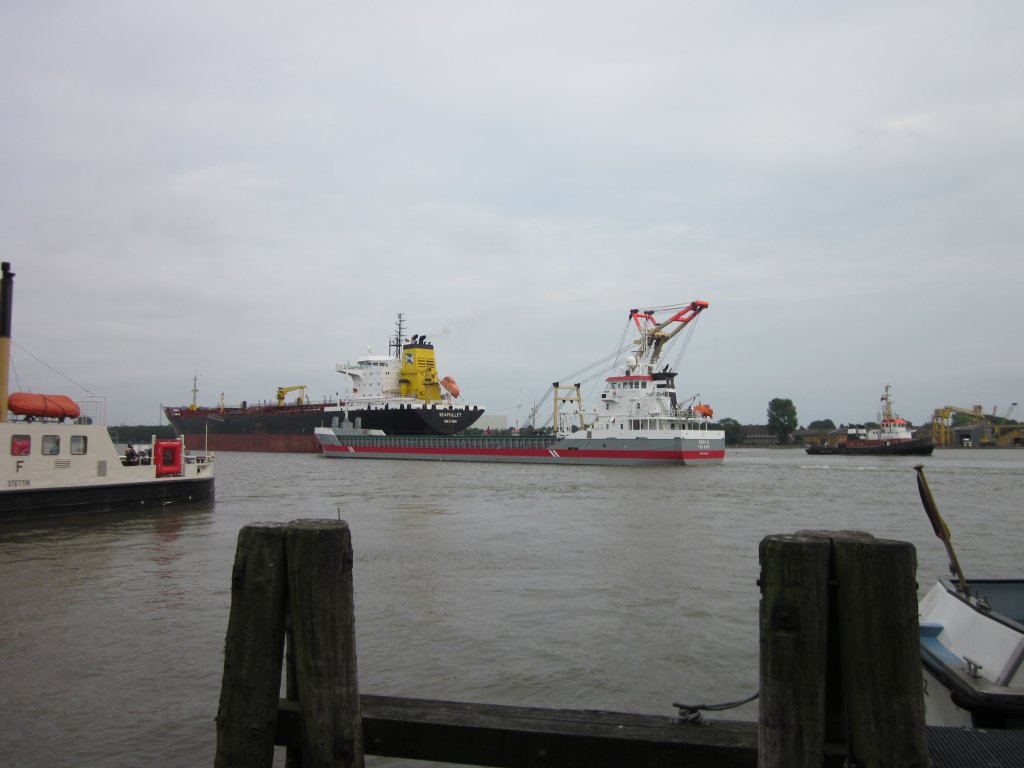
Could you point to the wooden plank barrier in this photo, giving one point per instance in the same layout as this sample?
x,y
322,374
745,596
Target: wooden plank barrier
x,y
840,678
466,733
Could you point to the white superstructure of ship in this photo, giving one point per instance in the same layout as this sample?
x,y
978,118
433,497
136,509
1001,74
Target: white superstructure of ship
x,y
638,419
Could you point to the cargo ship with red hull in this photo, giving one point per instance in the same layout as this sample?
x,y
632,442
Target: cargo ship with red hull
x,y
285,428
397,393
638,421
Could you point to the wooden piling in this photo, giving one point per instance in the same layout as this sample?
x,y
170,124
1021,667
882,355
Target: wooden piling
x,y
880,652
794,636
840,679
251,686
319,555
840,665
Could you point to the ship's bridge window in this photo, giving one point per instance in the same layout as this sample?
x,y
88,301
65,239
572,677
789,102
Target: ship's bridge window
x,y
79,445
51,445
21,445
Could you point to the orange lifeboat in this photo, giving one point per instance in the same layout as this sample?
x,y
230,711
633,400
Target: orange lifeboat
x,y
450,386
43,406
704,410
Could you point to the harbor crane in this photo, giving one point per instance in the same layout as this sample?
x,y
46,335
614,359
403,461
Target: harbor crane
x,y
994,425
942,422
300,400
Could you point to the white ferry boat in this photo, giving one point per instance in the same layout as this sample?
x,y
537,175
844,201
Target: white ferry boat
x,y
58,458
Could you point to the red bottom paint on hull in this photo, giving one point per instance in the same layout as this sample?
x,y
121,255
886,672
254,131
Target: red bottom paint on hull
x,y
254,443
530,456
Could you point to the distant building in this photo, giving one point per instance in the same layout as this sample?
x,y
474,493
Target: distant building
x,y
757,435
817,437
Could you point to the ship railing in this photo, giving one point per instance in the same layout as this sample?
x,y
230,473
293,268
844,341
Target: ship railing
x,y
692,420
93,410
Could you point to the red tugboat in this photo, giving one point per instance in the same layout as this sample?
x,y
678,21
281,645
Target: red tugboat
x,y
894,437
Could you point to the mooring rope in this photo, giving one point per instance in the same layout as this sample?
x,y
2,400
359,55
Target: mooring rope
x,y
691,713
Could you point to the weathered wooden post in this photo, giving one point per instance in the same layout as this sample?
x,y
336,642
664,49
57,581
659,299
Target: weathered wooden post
x,y
840,669
251,686
794,637
295,577
293,755
319,555
880,652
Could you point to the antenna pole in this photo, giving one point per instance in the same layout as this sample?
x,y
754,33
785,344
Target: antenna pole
x,y
6,305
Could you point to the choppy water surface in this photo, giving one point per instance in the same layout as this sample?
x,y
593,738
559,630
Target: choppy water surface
x,y
584,587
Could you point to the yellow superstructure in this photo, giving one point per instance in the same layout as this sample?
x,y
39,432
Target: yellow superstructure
x,y
418,376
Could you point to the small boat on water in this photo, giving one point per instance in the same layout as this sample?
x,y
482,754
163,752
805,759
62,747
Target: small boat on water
x,y
57,457
972,643
639,419
893,437
397,393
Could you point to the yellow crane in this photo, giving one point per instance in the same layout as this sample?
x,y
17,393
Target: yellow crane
x,y
942,422
997,430
282,391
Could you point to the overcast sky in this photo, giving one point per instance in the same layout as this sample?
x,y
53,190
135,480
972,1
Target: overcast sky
x,y
250,192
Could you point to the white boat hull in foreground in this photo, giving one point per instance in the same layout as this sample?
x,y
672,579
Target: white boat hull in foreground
x,y
972,649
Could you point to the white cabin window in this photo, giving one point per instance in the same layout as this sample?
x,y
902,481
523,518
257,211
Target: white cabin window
x,y
79,445
51,445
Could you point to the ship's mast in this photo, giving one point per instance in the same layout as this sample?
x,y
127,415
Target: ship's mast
x,y
395,345
6,305
887,408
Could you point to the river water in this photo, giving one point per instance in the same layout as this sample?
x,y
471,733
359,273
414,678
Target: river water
x,y
583,587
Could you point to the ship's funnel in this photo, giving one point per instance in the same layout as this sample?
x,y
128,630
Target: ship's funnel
x,y
6,304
